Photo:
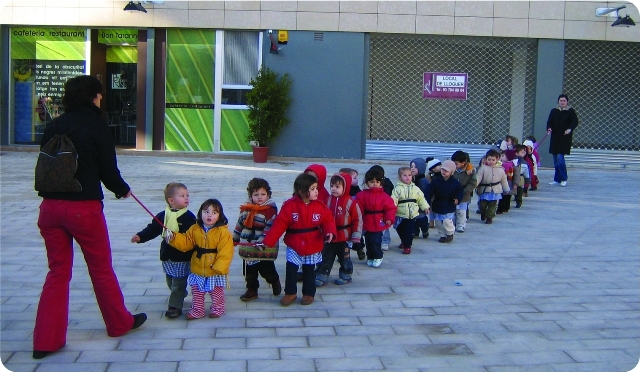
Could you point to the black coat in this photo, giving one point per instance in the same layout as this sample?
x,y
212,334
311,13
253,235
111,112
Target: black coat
x,y
96,154
559,121
167,252
441,193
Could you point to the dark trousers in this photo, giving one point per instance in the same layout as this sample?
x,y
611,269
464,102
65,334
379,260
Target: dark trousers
x,y
519,193
373,240
504,204
178,287
267,269
308,280
488,208
60,222
422,223
329,254
405,231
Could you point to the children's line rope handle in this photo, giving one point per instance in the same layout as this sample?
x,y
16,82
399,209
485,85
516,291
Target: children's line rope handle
x,y
542,140
148,211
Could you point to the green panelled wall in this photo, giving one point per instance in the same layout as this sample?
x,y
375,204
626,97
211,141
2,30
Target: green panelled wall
x,y
189,90
234,128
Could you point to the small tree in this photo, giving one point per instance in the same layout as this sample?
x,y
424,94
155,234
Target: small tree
x,y
268,102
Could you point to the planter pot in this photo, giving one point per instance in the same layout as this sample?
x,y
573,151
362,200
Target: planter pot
x,y
260,154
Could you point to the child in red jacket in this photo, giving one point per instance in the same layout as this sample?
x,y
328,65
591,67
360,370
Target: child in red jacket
x,y
379,213
348,219
308,224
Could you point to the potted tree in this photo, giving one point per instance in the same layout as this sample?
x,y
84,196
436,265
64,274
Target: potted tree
x,y
267,102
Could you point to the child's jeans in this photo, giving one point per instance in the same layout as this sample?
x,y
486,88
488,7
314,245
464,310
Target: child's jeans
x,y
373,240
217,301
329,254
488,208
405,231
386,237
445,227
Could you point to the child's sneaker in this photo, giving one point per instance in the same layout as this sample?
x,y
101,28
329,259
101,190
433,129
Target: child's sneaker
x,y
425,235
385,247
406,251
401,246
376,262
461,228
518,205
361,254
341,281
370,263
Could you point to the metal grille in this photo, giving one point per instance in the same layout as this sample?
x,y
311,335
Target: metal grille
x,y
602,80
500,93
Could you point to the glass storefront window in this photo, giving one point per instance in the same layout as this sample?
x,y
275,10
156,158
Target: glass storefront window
x,y
42,59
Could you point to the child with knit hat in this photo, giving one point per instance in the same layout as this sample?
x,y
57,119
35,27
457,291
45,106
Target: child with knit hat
x,y
444,193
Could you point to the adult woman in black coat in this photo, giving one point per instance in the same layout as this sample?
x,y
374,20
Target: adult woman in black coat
x,y
68,216
561,124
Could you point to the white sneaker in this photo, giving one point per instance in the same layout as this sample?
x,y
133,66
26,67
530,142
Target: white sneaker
x,y
370,263
377,262
460,229
385,247
563,183
553,183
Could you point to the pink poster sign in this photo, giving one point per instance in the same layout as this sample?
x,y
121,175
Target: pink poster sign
x,y
444,85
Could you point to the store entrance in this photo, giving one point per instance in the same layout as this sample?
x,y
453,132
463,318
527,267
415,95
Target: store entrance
x,y
120,101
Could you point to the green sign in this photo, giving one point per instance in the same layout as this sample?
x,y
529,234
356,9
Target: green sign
x,y
118,36
48,43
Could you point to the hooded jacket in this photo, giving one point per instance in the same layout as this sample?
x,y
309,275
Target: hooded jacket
x,y
409,199
346,213
377,208
321,172
420,179
306,225
207,263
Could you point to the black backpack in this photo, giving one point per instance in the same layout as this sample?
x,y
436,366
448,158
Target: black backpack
x,y
57,165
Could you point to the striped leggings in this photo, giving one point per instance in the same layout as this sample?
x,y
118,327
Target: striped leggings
x,y
217,302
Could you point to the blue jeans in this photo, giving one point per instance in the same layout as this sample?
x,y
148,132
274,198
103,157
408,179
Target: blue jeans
x,y
386,237
561,168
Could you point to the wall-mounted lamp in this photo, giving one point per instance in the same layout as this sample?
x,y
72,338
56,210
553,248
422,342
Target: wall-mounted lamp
x,y
131,7
274,42
613,12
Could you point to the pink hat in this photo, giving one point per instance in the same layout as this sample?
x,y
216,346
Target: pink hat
x,y
448,165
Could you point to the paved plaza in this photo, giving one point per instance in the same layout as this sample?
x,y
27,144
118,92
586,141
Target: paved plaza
x,y
553,286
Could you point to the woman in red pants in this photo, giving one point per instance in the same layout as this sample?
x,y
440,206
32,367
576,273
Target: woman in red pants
x,y
65,216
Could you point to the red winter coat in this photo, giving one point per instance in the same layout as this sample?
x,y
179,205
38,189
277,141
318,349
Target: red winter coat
x,y
377,208
297,216
347,213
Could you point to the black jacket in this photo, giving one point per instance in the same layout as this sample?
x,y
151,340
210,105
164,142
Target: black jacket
x,y
167,252
96,154
440,194
559,121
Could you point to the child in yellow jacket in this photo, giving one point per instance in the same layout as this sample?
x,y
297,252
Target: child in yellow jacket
x,y
212,247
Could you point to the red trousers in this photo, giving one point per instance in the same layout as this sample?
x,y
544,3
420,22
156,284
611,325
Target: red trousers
x,y
60,222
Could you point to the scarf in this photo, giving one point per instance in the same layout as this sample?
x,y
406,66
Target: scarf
x,y
253,210
171,219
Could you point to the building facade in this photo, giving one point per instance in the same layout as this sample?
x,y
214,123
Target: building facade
x,y
371,79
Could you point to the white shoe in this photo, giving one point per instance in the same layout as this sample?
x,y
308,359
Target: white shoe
x,y
460,229
370,263
563,183
385,247
553,183
377,262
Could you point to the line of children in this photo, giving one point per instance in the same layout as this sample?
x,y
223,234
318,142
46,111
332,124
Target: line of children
x,y
410,201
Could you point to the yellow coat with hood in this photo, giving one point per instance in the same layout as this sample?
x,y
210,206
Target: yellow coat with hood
x,y
208,264
409,209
